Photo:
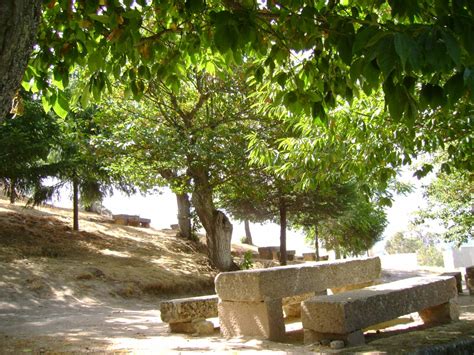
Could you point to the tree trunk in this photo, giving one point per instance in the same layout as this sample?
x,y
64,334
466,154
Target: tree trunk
x,y
19,21
283,257
75,204
316,241
248,235
184,215
12,190
217,225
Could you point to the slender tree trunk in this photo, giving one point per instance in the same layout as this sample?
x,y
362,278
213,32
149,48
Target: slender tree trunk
x,y
316,241
248,234
217,225
75,204
184,215
19,21
283,256
12,190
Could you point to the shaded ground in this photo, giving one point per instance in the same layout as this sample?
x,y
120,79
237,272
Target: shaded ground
x,y
98,291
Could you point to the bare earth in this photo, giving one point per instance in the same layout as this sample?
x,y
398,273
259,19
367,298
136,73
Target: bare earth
x,y
98,291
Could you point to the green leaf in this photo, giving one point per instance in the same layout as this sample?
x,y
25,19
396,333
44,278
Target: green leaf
x,y
101,18
386,56
195,6
344,46
61,106
210,68
404,46
454,88
396,99
46,104
452,47
371,73
85,96
363,36
432,96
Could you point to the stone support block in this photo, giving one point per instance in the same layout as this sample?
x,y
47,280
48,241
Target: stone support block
x,y
257,319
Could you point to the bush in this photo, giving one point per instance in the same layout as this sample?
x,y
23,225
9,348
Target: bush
x,y
247,263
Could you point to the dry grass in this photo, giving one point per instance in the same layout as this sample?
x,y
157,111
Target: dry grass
x,y
102,258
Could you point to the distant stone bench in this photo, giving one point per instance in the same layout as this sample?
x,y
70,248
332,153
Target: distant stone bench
x,y
188,315
273,253
312,257
251,301
268,253
131,220
344,316
145,222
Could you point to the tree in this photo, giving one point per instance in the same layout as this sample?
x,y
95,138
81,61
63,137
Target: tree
x,y
450,202
26,140
191,132
343,219
19,21
399,244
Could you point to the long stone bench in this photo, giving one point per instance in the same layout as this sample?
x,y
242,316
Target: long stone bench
x,y
344,316
250,301
187,315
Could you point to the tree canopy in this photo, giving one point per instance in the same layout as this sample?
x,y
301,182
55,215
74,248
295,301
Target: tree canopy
x,y
306,55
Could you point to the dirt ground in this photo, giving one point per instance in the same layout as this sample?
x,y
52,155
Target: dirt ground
x,y
98,290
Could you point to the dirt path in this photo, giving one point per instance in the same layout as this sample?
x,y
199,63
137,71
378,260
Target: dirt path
x,y
127,326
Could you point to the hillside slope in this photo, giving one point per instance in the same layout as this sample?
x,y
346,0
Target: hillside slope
x,y
41,257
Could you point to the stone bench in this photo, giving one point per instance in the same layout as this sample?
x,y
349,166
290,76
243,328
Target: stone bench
x,y
458,276
129,220
312,257
344,316
273,253
251,301
145,222
187,315
268,253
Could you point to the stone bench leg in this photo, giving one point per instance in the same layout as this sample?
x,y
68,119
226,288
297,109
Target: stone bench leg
x,y
351,339
444,313
261,319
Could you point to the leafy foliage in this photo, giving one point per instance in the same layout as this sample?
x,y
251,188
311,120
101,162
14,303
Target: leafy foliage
x,y
306,56
26,142
450,202
430,255
400,244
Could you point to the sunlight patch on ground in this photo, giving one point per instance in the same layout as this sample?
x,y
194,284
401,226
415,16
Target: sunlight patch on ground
x,y
115,253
